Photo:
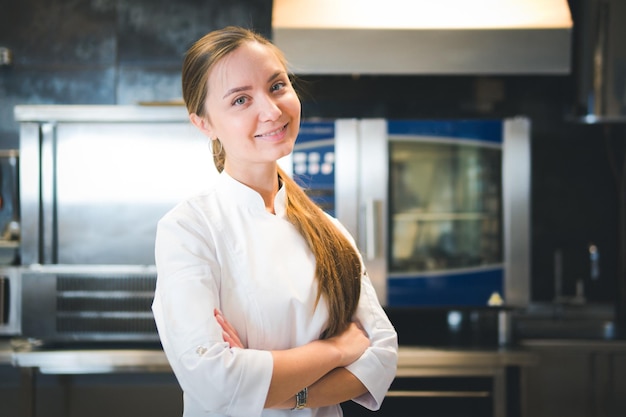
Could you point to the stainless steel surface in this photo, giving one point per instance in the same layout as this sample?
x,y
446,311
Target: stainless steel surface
x,y
94,182
505,328
516,210
30,187
372,177
6,352
361,182
347,173
362,179
93,361
413,362
529,51
324,44
46,186
100,113
105,175
88,303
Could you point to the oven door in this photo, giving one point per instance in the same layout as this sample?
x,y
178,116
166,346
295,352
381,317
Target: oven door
x,y
89,304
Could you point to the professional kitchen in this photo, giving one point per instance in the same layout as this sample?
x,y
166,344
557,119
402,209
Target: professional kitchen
x,y
475,150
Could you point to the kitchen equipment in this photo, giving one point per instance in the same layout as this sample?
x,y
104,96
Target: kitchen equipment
x,y
104,303
9,207
94,182
10,278
423,37
439,208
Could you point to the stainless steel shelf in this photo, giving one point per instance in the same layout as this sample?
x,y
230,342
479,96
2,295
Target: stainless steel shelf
x,y
101,113
59,362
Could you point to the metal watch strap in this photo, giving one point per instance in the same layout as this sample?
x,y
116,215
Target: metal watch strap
x,y
301,398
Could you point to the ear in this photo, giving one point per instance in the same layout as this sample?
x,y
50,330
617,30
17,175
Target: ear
x,y
202,124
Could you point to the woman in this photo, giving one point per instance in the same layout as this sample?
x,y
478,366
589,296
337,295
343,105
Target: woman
x,y
262,303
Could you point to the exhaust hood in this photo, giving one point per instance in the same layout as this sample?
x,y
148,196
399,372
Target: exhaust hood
x,y
443,37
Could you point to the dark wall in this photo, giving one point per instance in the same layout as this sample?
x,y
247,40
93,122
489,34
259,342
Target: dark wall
x,y
128,51
105,51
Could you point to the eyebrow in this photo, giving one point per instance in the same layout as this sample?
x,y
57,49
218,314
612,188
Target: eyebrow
x,y
247,87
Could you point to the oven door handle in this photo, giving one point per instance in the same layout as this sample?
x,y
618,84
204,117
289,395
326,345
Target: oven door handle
x,y
5,299
373,220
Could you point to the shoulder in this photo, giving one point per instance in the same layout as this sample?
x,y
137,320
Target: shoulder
x,y
196,209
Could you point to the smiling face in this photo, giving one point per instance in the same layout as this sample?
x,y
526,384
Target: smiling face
x,y
251,107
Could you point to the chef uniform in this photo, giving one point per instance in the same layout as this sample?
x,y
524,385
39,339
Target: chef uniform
x,y
222,249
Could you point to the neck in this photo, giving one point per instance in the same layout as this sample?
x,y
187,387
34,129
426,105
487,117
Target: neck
x,y
265,182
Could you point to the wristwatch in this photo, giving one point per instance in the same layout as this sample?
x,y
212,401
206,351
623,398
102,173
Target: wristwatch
x,y
301,398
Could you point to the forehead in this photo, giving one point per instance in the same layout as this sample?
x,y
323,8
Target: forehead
x,y
247,63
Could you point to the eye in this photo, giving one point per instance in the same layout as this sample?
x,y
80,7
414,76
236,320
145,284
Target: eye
x,y
240,101
278,86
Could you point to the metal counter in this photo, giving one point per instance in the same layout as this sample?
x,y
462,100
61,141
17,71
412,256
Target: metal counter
x,y
412,362
74,362
6,353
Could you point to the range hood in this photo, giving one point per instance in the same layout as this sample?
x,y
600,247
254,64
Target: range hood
x,y
453,37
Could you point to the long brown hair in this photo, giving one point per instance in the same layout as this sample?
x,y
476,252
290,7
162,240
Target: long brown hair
x,y
338,265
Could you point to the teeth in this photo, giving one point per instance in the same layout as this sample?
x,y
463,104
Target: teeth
x,y
272,133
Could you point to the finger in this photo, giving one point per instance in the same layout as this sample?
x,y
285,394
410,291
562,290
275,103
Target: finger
x,y
227,339
228,329
224,323
235,338
232,342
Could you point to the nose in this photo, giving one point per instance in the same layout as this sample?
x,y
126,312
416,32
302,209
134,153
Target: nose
x,y
269,109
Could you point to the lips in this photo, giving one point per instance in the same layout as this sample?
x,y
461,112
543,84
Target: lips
x,y
272,133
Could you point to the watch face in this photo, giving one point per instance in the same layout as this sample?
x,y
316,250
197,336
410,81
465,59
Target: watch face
x,y
301,398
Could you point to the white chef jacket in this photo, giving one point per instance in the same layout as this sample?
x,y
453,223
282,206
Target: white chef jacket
x,y
222,249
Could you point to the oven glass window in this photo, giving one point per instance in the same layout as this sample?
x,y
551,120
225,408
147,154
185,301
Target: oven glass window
x,y
445,205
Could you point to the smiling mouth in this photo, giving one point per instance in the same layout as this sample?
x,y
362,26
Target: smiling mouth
x,y
272,133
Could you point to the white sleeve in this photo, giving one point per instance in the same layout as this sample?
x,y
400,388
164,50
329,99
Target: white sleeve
x,y
376,368
219,379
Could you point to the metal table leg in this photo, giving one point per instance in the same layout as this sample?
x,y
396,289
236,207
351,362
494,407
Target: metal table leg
x,y
499,392
28,392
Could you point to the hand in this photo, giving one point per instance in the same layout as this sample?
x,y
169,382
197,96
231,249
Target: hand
x,y
228,331
352,342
